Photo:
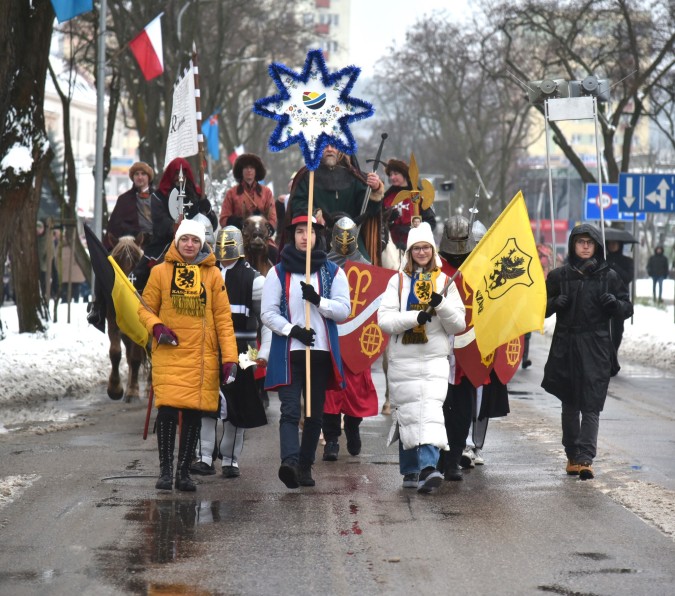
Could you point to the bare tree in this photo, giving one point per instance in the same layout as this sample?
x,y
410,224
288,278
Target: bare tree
x,y
628,42
444,95
25,34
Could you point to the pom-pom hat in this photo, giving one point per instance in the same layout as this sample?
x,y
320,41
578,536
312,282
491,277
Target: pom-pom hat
x,y
192,228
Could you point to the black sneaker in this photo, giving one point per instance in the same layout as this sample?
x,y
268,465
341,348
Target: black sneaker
x,y
330,451
288,474
411,480
430,479
202,468
231,471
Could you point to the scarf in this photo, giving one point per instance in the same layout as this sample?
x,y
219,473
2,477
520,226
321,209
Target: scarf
x,y
421,286
188,295
293,259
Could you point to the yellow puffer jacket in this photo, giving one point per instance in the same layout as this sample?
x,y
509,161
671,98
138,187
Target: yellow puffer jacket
x,y
188,375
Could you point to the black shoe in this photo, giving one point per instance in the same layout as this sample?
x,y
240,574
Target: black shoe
x,y
288,474
353,441
202,468
453,472
305,476
330,451
231,471
164,482
430,479
95,316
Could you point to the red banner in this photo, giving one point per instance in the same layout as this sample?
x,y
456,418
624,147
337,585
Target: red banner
x,y
508,358
361,339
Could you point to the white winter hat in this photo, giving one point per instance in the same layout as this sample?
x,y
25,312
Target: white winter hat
x,y
421,233
192,228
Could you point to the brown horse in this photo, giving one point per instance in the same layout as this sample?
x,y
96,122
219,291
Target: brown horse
x,y
127,253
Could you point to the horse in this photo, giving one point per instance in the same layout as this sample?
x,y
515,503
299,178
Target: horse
x,y
127,253
257,234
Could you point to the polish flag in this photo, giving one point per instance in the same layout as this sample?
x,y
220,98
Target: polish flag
x,y
238,150
147,49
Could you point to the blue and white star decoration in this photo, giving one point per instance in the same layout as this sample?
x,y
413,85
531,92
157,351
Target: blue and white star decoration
x,y
313,108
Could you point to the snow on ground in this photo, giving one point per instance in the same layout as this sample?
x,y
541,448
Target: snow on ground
x,y
70,359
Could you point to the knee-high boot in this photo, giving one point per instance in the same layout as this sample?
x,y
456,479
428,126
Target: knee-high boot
x,y
166,439
186,452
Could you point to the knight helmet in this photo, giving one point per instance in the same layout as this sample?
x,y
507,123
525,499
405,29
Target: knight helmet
x,y
456,238
344,238
229,244
478,230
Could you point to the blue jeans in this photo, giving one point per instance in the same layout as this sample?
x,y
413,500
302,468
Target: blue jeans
x,y
658,281
413,461
293,451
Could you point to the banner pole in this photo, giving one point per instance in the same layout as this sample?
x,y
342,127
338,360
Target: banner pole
x,y
308,260
198,107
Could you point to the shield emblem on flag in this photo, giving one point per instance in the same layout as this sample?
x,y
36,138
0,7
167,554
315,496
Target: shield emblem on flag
x,y
507,359
361,339
476,368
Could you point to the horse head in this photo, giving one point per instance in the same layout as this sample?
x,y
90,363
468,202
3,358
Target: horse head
x,y
127,252
256,233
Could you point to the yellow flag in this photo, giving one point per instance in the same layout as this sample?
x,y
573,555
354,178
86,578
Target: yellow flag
x,y
504,272
126,303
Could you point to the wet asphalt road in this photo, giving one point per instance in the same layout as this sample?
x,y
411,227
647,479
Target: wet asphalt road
x,y
90,522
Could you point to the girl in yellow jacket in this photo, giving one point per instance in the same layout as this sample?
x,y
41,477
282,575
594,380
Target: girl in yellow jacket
x,y
193,334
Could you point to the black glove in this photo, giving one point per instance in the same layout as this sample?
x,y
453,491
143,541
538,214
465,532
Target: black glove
x,y
359,219
561,302
435,299
423,317
305,336
609,302
309,294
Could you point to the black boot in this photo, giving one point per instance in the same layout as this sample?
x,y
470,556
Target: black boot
x,y
305,476
453,471
166,439
186,451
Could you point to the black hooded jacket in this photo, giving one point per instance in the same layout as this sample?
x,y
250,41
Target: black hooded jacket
x,y
582,357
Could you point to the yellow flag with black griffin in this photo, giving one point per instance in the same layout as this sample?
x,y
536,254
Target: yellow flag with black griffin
x,y
504,272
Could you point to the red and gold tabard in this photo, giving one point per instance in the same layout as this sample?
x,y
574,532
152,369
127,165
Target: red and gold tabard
x,y
361,339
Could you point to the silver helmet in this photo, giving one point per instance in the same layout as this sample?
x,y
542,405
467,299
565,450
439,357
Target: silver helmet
x,y
344,238
229,244
206,222
478,230
456,238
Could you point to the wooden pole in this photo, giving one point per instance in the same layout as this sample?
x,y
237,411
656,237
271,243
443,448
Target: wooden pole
x,y
308,260
198,106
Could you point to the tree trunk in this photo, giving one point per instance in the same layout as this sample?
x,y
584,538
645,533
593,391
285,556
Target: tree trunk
x,y
25,37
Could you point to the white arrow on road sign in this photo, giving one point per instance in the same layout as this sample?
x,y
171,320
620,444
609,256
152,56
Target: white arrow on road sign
x,y
661,196
630,198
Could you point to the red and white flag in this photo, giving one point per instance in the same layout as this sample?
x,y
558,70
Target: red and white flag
x,y
238,150
147,49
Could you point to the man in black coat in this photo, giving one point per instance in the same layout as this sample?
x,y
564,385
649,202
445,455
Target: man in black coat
x,y
624,266
585,294
657,269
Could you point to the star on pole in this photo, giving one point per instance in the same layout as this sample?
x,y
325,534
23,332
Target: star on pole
x,y
313,108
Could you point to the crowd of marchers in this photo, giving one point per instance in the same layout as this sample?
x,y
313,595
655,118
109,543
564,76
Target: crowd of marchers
x,y
263,283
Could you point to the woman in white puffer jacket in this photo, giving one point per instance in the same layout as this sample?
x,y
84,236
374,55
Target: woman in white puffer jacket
x,y
418,354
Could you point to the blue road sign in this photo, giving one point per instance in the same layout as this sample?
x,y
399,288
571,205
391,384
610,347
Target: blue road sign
x,y
647,192
609,202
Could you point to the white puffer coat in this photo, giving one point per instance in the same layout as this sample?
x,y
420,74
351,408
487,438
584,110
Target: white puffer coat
x,y
418,373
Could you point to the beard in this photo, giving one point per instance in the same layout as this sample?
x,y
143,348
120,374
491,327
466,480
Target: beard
x,y
329,160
